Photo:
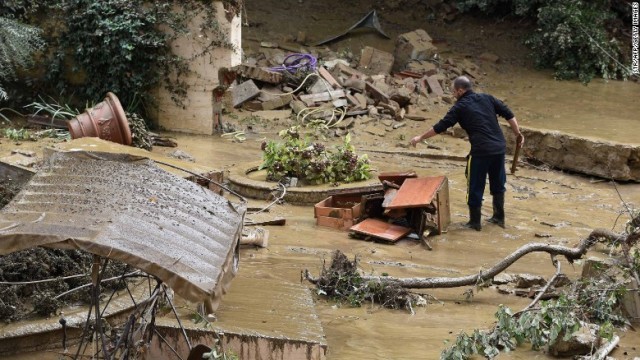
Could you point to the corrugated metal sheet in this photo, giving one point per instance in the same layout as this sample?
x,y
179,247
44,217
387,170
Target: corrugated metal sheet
x,y
126,208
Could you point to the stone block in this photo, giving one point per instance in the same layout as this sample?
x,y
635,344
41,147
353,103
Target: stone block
x,y
256,73
244,92
278,102
434,85
325,96
422,67
374,61
376,93
415,45
472,73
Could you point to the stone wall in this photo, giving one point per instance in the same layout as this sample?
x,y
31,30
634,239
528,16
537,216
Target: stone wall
x,y
596,157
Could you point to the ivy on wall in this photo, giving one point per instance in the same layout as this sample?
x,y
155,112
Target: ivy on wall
x,y
121,46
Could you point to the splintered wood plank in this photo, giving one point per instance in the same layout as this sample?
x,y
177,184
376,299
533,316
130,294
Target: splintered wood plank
x,y
444,212
381,229
417,192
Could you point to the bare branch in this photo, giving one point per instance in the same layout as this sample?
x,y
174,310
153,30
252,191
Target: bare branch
x,y
570,254
544,289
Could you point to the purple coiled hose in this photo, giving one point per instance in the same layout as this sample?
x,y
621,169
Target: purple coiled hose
x,y
294,62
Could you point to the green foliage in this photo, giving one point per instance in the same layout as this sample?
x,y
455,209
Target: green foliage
x,y
595,299
571,36
18,134
123,46
312,162
542,327
501,7
26,135
18,42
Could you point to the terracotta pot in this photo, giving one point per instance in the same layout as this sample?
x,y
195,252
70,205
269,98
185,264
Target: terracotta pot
x,y
105,120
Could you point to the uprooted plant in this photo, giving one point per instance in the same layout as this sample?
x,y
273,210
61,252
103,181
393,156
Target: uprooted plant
x,y
312,162
593,300
342,282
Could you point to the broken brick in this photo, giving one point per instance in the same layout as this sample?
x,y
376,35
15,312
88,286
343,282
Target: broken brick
x,y
374,61
256,73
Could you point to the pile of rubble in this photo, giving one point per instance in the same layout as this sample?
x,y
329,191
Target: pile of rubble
x,y
323,88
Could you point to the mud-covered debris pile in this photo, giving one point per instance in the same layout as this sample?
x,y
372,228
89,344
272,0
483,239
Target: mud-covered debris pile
x,y
22,294
342,282
322,87
8,190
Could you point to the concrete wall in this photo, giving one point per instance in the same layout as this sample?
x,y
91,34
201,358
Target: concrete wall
x,y
246,347
600,158
197,114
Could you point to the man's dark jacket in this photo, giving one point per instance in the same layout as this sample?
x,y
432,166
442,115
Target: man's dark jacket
x,y
476,114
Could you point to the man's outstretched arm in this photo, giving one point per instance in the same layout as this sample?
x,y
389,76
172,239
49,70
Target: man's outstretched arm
x,y
516,130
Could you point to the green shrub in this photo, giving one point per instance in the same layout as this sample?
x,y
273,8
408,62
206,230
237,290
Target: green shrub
x,y
312,162
571,36
122,46
18,42
571,39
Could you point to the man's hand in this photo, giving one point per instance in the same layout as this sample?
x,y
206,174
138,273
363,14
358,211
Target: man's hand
x,y
520,139
416,140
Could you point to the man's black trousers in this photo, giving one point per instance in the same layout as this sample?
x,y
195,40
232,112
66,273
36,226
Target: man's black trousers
x,y
478,167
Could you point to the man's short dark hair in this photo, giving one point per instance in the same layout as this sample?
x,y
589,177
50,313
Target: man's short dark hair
x,y
462,82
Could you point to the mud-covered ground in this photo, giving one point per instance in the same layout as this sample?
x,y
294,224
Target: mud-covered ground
x,y
542,204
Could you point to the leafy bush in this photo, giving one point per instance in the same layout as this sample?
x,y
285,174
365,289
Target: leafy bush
x,y
312,162
571,35
501,7
18,42
571,38
121,46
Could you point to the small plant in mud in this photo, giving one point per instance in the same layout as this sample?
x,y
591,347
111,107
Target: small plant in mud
x,y
312,162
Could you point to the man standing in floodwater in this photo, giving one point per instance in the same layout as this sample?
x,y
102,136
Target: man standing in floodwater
x,y
477,115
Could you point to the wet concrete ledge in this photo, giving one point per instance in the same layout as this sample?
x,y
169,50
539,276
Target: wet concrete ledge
x,y
605,159
262,319
46,334
240,182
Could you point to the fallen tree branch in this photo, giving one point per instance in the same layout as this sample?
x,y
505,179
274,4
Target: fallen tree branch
x,y
608,347
570,254
544,289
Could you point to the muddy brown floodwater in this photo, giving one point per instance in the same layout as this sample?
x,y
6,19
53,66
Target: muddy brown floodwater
x,y
574,204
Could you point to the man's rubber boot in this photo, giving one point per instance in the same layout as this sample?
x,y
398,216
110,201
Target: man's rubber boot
x,y
474,218
498,210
